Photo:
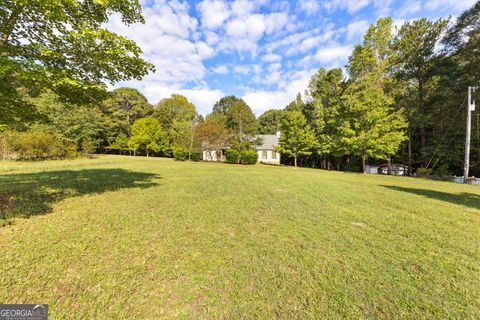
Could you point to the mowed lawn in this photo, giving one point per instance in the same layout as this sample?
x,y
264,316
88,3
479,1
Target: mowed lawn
x,y
122,237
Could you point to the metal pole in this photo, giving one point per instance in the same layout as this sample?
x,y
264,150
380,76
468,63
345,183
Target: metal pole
x,y
470,107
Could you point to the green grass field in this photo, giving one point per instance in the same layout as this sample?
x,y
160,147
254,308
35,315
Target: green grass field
x,y
120,237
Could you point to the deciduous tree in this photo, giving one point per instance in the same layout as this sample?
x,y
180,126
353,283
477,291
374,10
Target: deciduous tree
x,y
296,137
147,134
63,46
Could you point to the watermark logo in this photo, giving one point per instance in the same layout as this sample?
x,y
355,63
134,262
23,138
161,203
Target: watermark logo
x,y
23,312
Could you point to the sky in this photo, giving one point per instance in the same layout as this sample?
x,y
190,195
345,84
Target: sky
x,y
263,51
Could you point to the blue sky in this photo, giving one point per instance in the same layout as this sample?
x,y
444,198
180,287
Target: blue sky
x,y
262,51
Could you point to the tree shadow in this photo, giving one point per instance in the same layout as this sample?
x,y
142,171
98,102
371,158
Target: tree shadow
x,y
467,199
28,194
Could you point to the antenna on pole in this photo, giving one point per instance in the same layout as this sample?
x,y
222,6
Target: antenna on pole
x,y
470,108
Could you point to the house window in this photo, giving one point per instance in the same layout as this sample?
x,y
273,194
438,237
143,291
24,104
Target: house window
x,y
274,155
264,155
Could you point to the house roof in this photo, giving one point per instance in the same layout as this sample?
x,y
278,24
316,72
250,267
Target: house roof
x,y
269,141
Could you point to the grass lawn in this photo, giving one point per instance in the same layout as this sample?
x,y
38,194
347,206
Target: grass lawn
x,y
121,237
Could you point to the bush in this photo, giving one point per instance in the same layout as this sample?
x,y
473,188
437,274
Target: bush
x,y
248,156
196,156
180,154
232,156
37,146
70,151
424,172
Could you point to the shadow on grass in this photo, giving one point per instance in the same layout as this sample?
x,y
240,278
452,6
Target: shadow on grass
x,y
28,194
464,199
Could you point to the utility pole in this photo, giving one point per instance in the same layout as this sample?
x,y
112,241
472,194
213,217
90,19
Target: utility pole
x,y
470,108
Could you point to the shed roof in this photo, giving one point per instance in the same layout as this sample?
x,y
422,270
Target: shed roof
x,y
268,141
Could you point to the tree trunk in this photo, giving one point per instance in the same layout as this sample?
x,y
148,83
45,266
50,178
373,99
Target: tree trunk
x,y
134,153
421,102
10,23
364,167
389,165
295,159
409,155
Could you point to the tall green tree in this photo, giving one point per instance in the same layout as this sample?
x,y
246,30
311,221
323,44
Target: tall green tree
x,y
296,137
458,68
415,59
295,105
77,127
269,122
212,133
176,108
325,91
222,105
147,134
367,124
182,135
63,46
241,122
120,110
375,56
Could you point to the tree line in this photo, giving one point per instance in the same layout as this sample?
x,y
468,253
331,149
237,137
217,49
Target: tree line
x,y
400,98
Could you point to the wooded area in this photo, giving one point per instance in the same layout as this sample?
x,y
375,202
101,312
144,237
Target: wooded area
x,y
402,99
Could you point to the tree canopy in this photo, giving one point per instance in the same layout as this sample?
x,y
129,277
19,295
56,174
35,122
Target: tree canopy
x,y
296,137
269,122
147,134
63,46
175,108
224,104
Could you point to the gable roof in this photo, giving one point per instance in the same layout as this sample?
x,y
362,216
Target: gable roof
x,y
269,141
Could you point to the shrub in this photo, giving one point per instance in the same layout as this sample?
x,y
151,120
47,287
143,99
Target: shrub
x,y
424,172
248,156
70,151
180,154
232,156
196,156
37,146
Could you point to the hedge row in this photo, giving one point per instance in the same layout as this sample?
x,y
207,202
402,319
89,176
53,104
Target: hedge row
x,y
247,156
181,154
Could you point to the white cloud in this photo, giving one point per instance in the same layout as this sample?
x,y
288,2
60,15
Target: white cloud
x,y
242,7
245,32
352,6
410,7
262,100
241,69
448,5
309,6
356,29
331,54
203,99
213,13
271,57
221,69
311,42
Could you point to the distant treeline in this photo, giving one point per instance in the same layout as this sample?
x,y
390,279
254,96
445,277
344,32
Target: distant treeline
x,y
402,99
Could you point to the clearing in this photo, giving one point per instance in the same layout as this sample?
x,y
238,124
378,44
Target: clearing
x,y
157,238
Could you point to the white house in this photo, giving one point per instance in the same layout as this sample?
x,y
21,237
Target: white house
x,y
266,151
